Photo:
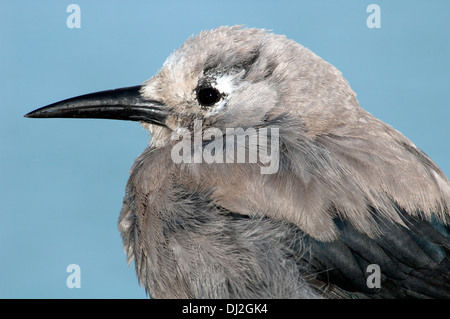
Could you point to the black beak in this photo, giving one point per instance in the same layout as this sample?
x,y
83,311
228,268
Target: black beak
x,y
118,104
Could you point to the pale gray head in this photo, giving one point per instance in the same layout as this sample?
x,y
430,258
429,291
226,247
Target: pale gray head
x,y
346,179
235,77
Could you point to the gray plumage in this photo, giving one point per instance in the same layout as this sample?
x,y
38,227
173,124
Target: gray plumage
x,y
350,190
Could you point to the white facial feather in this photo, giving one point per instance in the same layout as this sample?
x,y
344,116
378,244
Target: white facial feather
x,y
227,84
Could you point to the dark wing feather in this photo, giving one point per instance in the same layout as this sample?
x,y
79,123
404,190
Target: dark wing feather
x,y
414,261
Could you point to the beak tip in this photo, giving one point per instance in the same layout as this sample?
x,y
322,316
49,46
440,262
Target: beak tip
x,y
32,114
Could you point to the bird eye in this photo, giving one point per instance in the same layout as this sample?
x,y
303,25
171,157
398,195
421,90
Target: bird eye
x,y
208,95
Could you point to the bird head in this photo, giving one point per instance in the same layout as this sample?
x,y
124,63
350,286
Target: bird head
x,y
226,77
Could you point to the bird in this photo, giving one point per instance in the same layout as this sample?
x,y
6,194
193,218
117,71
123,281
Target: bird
x,y
350,209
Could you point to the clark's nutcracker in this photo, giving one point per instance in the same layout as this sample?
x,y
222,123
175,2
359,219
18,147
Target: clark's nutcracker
x,y
349,208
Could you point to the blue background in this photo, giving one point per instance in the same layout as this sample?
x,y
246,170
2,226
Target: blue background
x,y
62,181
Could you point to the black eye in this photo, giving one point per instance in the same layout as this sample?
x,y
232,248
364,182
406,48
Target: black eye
x,y
208,96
